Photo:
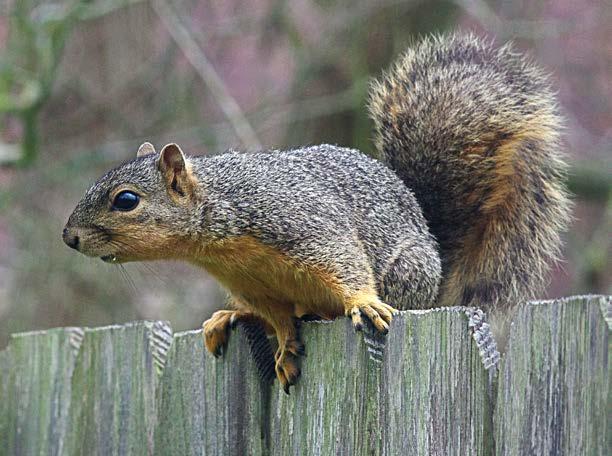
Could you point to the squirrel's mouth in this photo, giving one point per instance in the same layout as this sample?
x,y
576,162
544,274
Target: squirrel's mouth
x,y
111,258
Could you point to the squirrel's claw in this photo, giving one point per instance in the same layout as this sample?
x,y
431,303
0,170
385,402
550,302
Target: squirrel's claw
x,y
233,322
287,370
379,313
216,331
295,347
355,315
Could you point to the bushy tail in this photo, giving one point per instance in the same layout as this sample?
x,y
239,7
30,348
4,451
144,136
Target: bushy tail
x,y
473,130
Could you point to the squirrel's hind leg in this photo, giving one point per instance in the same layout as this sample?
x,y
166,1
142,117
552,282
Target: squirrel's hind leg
x,y
412,277
290,348
275,319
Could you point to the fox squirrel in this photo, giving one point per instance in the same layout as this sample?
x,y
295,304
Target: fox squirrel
x,y
465,207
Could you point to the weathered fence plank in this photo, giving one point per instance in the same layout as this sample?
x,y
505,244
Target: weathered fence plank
x,y
429,387
210,406
334,409
36,391
553,394
437,393
422,391
112,402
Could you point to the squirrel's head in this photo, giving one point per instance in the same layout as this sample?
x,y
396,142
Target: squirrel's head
x,y
138,211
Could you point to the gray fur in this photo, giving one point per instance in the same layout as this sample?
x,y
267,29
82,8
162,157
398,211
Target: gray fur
x,y
326,206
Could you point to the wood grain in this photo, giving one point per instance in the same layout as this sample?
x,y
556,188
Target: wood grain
x,y
553,395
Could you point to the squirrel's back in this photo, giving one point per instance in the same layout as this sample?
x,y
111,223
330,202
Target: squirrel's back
x,y
473,131
308,201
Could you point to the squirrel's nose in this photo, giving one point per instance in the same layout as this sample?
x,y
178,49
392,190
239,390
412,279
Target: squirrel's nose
x,y
71,240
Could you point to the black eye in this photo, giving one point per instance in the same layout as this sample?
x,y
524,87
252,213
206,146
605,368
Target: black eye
x,y
125,201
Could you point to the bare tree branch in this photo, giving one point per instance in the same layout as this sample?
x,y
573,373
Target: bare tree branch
x,y
207,72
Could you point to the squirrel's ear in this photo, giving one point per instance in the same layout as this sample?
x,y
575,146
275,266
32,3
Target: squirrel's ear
x,y
173,166
171,158
146,148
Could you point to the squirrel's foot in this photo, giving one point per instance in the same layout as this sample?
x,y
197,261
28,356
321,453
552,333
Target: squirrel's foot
x,y
216,329
287,369
379,313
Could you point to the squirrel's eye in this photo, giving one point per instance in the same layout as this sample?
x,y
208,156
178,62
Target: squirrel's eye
x,y
125,201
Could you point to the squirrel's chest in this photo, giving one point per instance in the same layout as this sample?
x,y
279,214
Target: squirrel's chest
x,y
265,277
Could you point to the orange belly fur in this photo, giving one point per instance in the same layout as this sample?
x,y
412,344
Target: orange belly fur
x,y
269,282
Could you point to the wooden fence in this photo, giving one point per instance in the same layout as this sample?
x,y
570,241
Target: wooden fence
x,y
434,385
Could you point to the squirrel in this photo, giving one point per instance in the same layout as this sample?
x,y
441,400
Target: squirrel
x,y
465,206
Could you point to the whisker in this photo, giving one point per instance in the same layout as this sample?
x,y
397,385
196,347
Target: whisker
x,y
150,270
128,279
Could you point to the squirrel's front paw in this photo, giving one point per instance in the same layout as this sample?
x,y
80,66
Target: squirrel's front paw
x,y
379,313
287,369
216,330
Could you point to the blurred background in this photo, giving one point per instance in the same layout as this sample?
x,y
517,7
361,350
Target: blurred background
x,y
83,83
